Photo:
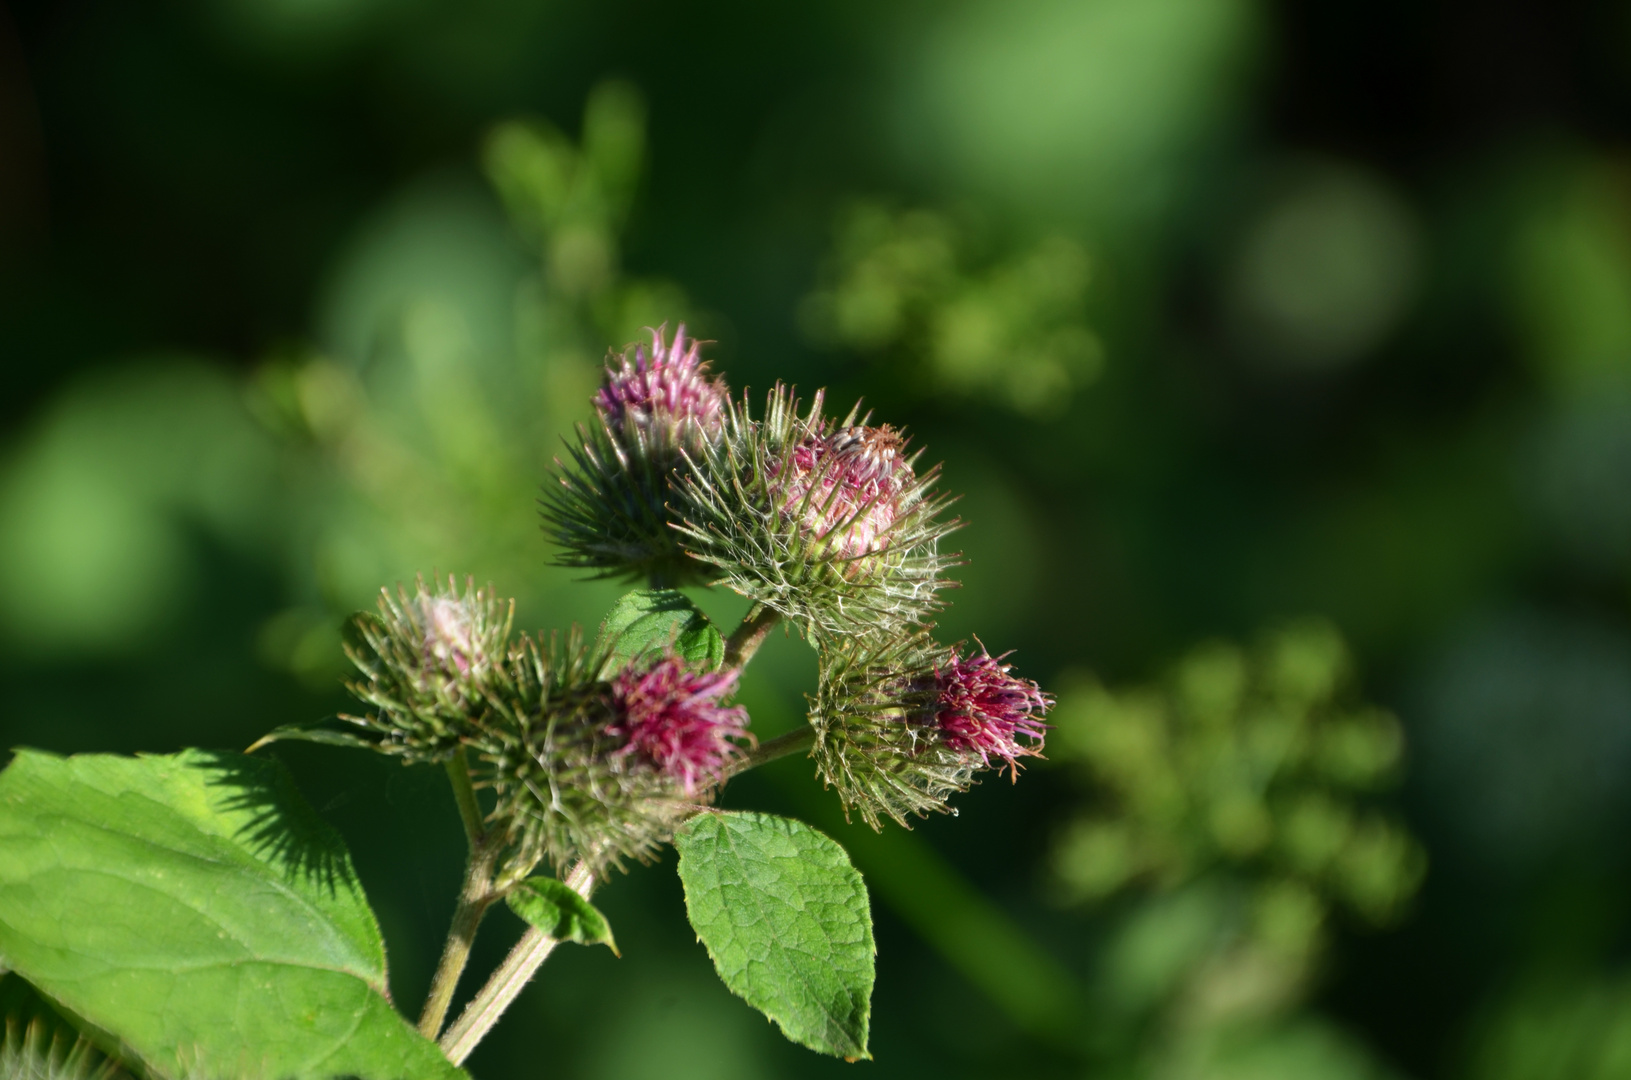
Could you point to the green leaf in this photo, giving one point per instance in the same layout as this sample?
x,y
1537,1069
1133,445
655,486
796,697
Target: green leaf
x,y
197,910
651,620
556,908
330,731
784,915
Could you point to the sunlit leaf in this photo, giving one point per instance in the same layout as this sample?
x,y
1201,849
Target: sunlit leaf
x,y
651,620
785,917
195,908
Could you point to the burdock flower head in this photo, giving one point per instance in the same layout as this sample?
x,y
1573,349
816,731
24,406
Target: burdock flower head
x,y
901,726
662,393
983,710
658,407
830,525
427,660
603,769
671,719
845,487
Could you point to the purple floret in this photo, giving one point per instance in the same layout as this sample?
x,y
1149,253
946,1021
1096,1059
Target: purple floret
x,y
671,719
984,710
662,388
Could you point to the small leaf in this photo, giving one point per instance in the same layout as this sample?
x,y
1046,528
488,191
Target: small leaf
x,y
323,731
651,620
556,908
784,916
197,911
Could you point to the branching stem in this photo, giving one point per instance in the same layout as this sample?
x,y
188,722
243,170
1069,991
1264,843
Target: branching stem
x,y
746,638
475,896
781,746
507,982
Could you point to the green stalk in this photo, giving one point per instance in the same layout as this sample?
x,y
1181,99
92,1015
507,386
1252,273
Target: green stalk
x,y
507,982
781,746
475,896
746,638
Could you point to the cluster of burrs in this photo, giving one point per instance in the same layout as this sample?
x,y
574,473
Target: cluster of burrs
x,y
827,526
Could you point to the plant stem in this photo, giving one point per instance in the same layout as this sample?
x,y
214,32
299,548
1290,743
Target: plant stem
x,y
746,639
507,982
464,793
474,899
475,896
781,746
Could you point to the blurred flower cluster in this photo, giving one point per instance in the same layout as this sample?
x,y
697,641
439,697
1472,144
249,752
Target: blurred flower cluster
x,y
1237,795
907,287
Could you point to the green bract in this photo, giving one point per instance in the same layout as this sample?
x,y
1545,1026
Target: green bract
x,y
556,908
608,509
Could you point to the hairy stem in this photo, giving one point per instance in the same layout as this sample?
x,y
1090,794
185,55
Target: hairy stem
x,y
507,982
464,793
475,896
746,639
781,746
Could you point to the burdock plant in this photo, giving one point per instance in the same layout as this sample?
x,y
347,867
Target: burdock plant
x,y
570,756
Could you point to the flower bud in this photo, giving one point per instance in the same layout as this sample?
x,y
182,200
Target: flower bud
x,y
831,526
427,661
671,720
601,769
658,407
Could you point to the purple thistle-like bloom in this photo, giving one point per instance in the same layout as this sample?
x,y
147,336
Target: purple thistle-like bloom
x,y
662,389
671,719
858,475
984,710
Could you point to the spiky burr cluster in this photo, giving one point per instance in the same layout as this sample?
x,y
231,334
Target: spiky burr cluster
x,y
585,763
901,726
593,754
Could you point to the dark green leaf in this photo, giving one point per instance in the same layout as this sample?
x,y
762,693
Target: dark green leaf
x,y
195,908
651,620
555,908
785,917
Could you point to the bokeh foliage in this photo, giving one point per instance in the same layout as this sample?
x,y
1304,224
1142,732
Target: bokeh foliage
x,y
1221,314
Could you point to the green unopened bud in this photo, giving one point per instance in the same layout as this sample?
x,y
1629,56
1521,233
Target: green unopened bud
x,y
427,660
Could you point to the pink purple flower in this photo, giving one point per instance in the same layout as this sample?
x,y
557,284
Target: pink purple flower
x,y
847,486
671,719
984,710
662,388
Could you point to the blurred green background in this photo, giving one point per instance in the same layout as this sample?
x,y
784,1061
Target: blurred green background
x,y
1282,352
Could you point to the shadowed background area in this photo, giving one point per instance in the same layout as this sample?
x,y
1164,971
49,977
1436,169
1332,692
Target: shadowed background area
x,y
1281,352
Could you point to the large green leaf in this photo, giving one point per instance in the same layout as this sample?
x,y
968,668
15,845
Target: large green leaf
x,y
198,911
651,620
785,917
